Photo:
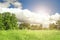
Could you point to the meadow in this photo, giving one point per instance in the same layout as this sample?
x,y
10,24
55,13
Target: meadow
x,y
30,35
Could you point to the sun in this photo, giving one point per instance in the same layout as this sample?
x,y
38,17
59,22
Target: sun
x,y
42,10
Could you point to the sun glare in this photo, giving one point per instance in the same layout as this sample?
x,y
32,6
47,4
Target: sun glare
x,y
42,10
41,14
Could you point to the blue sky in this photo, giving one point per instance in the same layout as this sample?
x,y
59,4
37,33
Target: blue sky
x,y
54,5
30,4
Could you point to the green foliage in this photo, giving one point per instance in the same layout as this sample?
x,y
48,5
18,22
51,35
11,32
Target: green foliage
x,y
36,27
1,22
8,21
58,24
52,26
14,22
24,26
28,26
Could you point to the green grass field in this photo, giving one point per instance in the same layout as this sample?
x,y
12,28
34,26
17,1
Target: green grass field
x,y
30,35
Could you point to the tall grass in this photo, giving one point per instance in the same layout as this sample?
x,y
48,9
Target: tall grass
x,y
30,35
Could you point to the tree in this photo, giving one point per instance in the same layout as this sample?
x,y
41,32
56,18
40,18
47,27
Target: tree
x,y
52,26
33,27
36,27
13,20
6,21
1,22
9,20
40,27
58,24
24,26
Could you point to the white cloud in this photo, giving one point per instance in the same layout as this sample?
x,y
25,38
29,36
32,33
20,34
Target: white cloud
x,y
7,3
10,1
4,5
17,5
55,16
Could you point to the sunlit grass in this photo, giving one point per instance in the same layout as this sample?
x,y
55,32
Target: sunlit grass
x,y
30,35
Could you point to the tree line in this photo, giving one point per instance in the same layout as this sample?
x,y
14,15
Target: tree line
x,y
9,21
52,26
